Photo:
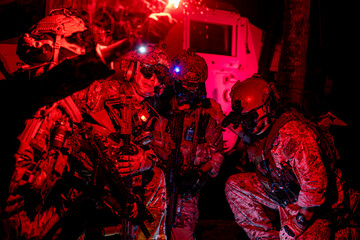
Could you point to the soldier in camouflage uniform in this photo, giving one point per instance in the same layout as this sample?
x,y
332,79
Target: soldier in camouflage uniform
x,y
138,170
294,175
201,143
51,185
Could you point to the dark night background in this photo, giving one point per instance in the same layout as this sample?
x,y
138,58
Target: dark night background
x,y
332,58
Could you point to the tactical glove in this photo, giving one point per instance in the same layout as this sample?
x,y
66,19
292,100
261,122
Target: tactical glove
x,y
131,164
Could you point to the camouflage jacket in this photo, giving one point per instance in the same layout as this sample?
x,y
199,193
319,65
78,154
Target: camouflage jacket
x,y
202,142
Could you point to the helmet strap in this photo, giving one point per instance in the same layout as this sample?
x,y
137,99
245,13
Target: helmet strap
x,y
56,51
134,65
266,124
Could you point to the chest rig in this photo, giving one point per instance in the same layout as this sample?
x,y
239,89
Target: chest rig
x,y
194,130
279,183
113,112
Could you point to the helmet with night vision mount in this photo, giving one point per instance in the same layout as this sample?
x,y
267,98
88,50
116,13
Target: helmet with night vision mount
x,y
189,71
251,102
57,36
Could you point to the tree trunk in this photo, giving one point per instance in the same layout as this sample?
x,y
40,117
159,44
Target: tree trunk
x,y
292,63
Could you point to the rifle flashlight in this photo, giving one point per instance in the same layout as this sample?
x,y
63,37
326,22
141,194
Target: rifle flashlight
x,y
143,118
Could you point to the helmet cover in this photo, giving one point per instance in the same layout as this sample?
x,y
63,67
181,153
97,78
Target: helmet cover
x,y
249,94
250,101
59,22
189,68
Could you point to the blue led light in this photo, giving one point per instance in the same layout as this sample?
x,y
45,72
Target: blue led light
x,y
142,49
177,69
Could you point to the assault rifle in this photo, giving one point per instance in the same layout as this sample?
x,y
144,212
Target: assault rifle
x,y
116,184
121,115
120,111
173,169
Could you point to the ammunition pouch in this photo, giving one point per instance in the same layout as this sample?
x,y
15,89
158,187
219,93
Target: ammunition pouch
x,y
49,171
280,185
138,181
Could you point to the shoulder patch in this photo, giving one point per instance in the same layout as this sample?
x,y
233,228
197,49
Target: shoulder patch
x,y
290,147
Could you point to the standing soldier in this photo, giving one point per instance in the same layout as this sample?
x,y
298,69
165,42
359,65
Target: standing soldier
x,y
188,141
295,172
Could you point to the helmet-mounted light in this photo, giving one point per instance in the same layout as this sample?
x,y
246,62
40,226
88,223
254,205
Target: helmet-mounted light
x,y
142,49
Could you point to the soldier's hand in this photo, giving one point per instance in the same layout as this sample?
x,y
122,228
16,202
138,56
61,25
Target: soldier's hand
x,y
128,210
131,164
157,26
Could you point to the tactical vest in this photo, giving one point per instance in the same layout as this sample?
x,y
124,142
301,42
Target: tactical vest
x,y
281,184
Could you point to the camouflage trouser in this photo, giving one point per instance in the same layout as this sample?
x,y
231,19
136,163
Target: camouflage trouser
x,y
187,215
247,200
155,201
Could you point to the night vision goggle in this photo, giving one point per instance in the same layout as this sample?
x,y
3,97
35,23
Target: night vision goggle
x,y
150,65
247,120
